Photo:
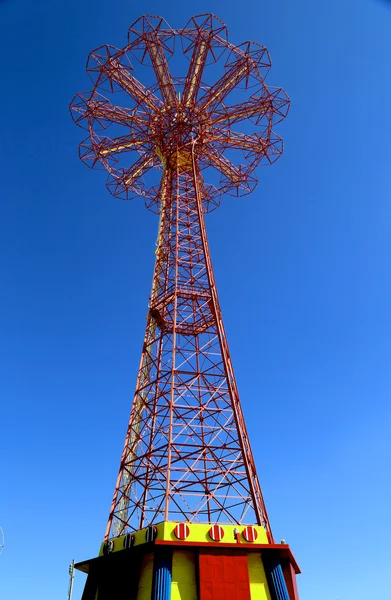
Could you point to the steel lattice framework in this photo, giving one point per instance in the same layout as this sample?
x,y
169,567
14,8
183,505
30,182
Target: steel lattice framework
x,y
182,142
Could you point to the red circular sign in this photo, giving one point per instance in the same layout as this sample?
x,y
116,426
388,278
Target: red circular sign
x,y
216,533
182,531
250,534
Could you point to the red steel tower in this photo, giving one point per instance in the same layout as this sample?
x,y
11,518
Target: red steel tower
x,y
187,474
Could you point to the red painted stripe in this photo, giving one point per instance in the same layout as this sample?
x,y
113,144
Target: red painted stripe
x,y
216,533
250,534
182,531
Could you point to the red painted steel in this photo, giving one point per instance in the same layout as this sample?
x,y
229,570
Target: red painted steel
x,y
223,576
290,580
182,531
250,534
187,454
275,551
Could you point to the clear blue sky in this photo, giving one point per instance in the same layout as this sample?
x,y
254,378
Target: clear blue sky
x,y
303,269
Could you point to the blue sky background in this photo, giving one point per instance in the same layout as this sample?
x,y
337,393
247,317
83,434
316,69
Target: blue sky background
x,y
303,273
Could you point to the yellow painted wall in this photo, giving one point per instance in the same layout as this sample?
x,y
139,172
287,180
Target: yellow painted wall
x,y
139,538
258,584
145,583
198,533
184,584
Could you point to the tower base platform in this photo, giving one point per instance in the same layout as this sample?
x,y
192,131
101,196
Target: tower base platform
x,y
184,561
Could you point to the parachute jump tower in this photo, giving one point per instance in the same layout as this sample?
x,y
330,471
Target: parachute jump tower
x,y
187,519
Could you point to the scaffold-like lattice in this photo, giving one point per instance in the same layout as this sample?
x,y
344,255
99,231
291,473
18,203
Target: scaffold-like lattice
x,y
181,143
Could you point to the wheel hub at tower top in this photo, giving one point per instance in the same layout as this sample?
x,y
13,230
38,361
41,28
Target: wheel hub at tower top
x,y
221,108
177,130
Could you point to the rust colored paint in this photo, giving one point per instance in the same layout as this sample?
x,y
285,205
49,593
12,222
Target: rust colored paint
x,y
224,576
180,461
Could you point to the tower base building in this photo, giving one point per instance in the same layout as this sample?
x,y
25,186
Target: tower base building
x,y
184,561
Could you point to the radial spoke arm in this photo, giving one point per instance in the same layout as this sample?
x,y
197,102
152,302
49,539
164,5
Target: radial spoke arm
x,y
131,85
223,165
162,72
143,164
196,68
109,146
104,110
240,141
256,147
256,107
226,84
86,109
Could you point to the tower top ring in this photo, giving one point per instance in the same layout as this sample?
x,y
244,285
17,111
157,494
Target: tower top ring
x,y
220,104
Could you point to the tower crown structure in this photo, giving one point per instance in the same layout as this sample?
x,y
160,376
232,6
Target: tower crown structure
x,y
221,108
181,143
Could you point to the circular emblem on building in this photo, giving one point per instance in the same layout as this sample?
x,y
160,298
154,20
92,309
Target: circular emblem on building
x,y
151,534
128,540
182,531
108,547
250,534
216,533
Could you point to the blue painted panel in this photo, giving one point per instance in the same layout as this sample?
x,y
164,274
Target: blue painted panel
x,y
277,585
162,574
